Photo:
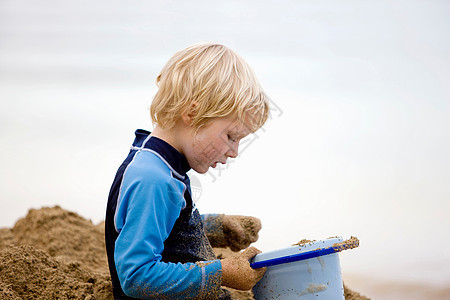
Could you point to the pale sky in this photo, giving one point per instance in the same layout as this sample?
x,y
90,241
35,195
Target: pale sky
x,y
358,143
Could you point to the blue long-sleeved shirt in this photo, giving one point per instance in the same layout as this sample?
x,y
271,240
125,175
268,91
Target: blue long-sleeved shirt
x,y
155,241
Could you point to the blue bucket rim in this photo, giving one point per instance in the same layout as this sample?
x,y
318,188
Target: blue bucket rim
x,y
295,256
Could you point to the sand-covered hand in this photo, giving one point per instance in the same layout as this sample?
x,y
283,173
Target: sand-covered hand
x,y
237,273
240,231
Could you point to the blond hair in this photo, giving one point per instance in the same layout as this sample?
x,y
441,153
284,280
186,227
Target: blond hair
x,y
217,80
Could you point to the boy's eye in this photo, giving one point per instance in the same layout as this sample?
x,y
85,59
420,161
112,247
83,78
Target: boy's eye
x,y
230,138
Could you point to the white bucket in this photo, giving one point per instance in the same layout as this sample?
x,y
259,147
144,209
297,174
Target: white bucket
x,y
317,278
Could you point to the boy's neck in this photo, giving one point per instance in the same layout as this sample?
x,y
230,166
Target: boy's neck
x,y
171,136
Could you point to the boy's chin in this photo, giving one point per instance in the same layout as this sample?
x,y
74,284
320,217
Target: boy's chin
x,y
201,169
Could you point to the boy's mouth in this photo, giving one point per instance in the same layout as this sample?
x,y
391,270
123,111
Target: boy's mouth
x,y
215,164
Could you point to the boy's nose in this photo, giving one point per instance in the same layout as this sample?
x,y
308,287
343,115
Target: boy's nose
x,y
233,150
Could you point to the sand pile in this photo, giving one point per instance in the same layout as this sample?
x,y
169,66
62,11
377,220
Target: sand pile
x,y
29,273
65,236
56,254
53,254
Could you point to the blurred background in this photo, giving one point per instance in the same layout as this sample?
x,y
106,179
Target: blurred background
x,y
358,142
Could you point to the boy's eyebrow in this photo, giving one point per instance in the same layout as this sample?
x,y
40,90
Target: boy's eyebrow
x,y
239,129
239,133
234,129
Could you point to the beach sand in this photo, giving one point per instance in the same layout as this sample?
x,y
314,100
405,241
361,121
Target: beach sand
x,y
53,253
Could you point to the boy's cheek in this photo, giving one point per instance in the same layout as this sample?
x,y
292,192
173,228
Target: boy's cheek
x,y
210,152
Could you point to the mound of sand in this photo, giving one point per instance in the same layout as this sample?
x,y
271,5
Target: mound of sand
x,y
29,273
53,253
65,236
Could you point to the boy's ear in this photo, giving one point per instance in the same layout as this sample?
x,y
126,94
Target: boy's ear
x,y
189,113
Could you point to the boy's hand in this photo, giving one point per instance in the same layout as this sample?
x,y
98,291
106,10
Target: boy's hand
x,y
240,231
237,273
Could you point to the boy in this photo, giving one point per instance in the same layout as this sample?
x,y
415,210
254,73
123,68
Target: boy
x,y
208,100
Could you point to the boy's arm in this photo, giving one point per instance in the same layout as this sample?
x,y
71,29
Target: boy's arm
x,y
145,218
236,232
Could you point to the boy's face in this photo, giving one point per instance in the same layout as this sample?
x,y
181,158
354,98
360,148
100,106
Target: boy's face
x,y
214,143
